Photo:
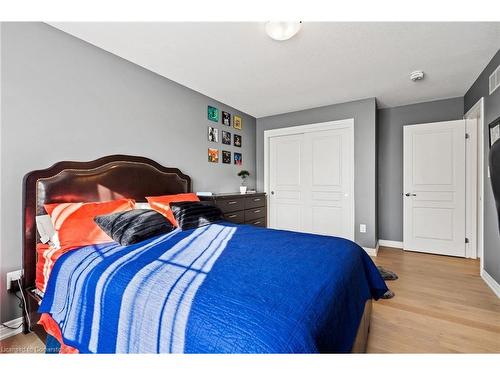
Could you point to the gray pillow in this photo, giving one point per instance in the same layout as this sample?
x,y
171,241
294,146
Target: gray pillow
x,y
195,214
132,226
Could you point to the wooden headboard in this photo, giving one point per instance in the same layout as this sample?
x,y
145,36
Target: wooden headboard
x,y
107,178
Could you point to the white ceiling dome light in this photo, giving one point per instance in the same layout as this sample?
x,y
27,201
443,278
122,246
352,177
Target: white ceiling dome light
x,y
282,30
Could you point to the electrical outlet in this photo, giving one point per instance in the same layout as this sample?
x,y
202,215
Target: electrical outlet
x,y
13,277
362,228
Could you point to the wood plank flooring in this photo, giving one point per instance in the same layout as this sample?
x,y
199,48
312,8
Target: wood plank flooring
x,y
441,306
22,344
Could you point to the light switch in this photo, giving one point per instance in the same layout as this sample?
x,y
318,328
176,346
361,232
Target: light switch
x,y
362,228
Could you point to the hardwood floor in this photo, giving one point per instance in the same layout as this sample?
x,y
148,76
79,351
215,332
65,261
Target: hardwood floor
x,y
22,344
441,306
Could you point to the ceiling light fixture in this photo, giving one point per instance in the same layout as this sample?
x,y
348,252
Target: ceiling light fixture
x,y
282,30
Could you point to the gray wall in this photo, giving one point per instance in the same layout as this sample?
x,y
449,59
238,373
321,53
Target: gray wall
x,y
491,112
64,99
364,113
390,122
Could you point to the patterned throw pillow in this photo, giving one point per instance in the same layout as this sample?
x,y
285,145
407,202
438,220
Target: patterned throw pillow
x,y
162,203
195,214
134,226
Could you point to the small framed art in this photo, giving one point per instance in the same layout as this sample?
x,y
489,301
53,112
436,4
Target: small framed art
x,y
494,130
213,134
238,159
213,155
213,114
238,122
226,157
226,118
226,137
237,140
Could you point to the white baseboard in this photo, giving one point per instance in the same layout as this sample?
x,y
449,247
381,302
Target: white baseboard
x,y
490,281
6,332
388,243
371,251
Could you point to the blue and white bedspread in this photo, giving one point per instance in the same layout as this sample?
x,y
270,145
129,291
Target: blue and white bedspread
x,y
222,288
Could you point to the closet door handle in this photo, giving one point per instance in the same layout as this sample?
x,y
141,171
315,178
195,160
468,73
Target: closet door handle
x,y
411,195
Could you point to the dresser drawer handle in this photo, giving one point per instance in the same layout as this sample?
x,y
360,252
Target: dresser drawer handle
x,y
256,211
256,199
232,202
231,216
256,222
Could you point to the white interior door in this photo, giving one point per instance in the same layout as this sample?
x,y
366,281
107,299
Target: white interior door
x,y
434,188
311,182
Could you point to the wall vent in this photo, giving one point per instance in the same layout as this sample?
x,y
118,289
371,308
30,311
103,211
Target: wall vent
x,y
495,80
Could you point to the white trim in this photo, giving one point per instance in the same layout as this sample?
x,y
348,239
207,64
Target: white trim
x,y
479,107
490,281
389,243
371,251
471,194
6,332
308,128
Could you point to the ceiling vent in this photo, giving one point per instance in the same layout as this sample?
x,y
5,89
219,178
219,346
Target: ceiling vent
x,y
495,80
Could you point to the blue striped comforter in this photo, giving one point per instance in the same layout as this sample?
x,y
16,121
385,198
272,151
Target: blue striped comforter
x,y
222,288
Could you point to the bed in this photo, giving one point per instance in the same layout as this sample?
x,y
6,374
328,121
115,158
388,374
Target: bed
x,y
221,288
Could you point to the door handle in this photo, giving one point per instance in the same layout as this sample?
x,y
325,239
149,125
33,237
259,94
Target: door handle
x,y
410,195
272,192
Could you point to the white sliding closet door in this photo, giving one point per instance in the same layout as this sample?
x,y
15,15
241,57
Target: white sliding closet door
x,y
310,182
287,204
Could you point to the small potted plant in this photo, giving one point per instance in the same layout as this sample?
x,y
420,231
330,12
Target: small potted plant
x,y
244,175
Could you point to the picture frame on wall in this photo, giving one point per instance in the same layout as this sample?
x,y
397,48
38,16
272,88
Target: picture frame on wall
x,y
237,140
213,155
213,114
226,118
213,134
494,131
238,158
226,157
237,122
226,137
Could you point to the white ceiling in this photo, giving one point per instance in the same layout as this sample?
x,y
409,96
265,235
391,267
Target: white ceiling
x,y
326,63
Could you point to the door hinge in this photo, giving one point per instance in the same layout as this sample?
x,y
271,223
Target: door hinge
x,y
467,136
466,240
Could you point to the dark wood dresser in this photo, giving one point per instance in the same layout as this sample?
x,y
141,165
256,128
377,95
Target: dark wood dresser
x,y
239,208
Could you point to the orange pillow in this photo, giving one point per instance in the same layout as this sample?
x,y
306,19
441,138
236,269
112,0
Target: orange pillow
x,y
74,222
162,204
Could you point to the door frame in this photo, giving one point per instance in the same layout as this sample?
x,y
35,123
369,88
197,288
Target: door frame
x,y
477,110
311,128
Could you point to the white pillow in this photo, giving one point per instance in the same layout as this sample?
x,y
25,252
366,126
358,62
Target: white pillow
x,y
142,206
46,230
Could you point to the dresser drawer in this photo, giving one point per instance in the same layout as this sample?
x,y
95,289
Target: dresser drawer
x,y
237,217
230,204
255,213
259,201
258,222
